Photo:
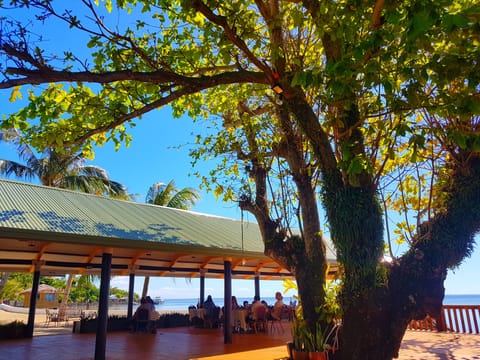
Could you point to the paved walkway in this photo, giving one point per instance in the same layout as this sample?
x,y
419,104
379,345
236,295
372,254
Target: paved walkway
x,y
426,345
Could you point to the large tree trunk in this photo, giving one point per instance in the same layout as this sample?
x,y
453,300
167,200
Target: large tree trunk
x,y
146,283
356,227
412,287
62,311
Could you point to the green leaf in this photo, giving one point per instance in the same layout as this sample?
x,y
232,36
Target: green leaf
x,y
459,139
452,21
355,166
16,94
422,21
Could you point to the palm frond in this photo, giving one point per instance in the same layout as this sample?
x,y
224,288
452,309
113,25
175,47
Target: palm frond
x,y
184,199
93,171
9,168
64,169
167,195
93,185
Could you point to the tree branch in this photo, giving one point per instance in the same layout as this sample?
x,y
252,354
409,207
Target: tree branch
x,y
221,21
36,77
377,14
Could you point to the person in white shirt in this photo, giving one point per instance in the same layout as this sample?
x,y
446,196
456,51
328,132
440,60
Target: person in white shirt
x,y
278,307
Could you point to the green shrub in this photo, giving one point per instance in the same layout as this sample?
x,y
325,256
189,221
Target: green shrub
x,y
172,320
13,330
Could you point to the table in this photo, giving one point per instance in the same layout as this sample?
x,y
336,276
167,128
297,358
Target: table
x,y
200,313
238,318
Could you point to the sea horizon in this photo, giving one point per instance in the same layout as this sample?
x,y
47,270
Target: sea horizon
x,y
170,304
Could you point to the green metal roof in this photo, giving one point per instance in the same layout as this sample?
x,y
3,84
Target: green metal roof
x,y
49,217
54,211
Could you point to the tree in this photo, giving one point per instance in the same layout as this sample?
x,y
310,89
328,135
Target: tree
x,y
64,170
85,290
3,281
363,106
167,195
119,293
16,283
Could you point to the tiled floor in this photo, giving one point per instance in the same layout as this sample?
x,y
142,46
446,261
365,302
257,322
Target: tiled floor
x,y
178,343
207,344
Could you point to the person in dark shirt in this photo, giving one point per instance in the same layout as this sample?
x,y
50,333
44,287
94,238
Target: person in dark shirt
x,y
209,305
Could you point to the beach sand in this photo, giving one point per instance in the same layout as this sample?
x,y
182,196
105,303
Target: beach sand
x,y
416,344
7,317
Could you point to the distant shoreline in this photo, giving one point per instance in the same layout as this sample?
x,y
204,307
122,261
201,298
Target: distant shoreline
x,y
172,305
10,315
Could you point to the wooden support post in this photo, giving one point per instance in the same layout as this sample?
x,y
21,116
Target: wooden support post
x,y
227,314
102,319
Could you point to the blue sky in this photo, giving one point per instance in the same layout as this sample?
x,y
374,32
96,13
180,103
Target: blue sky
x,y
154,156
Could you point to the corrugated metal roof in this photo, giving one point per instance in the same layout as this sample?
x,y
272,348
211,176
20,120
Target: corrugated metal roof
x,y
67,228
56,211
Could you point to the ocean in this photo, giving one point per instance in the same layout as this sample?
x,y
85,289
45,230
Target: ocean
x,y
461,300
183,304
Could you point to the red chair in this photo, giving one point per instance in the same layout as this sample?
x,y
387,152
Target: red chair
x,y
260,319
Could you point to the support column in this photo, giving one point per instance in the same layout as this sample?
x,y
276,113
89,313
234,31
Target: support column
x,y
33,298
102,319
146,283
227,305
131,291
257,284
202,286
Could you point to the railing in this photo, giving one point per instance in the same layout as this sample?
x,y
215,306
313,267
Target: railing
x,y
455,318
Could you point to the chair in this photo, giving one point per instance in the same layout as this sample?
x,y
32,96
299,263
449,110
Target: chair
x,y
50,317
212,318
275,320
276,324
260,319
142,320
63,316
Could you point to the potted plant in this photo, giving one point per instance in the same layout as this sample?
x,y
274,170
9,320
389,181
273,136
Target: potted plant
x,y
317,343
300,338
314,345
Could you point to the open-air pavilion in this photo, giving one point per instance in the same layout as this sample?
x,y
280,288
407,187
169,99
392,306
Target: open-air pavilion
x,y
53,232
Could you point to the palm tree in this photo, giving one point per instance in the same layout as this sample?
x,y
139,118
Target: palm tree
x,y
169,196
66,170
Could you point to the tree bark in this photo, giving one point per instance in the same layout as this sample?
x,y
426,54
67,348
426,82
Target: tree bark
x,y
375,323
62,311
3,280
146,282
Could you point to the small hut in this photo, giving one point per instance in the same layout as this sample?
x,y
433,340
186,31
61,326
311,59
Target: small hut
x,y
47,296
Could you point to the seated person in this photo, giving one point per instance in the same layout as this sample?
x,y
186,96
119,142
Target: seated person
x,y
211,312
209,306
235,305
146,305
251,317
277,309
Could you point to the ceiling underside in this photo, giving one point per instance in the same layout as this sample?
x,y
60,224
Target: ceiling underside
x,y
60,258
64,232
